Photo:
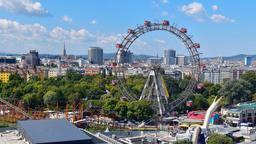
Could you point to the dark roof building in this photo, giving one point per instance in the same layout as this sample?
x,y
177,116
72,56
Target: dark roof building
x,y
52,131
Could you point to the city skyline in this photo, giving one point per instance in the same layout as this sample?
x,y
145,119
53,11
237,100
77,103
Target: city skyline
x,y
44,26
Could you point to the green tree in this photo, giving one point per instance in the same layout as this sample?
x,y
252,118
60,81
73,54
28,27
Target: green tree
x,y
135,83
213,90
254,97
236,91
50,98
31,100
199,102
219,139
174,86
122,109
250,76
183,142
73,75
140,110
109,104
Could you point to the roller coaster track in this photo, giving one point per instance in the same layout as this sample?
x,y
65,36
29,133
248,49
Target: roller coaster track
x,y
16,108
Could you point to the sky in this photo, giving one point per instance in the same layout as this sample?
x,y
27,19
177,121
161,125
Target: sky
x,y
222,27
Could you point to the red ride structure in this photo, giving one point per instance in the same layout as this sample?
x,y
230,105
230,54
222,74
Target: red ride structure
x,y
131,31
166,23
118,46
147,23
183,30
196,45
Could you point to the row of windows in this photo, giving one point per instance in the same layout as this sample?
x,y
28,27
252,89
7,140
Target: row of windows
x,y
238,115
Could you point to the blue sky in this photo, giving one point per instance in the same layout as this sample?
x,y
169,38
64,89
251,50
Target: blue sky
x,y
222,27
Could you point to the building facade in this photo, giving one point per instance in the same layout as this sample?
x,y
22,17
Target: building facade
x,y
240,113
4,76
8,60
155,61
181,60
128,57
30,59
95,55
169,57
248,61
217,75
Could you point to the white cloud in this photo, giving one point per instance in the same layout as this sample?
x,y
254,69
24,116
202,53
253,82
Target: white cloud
x,y
160,41
93,22
215,7
164,1
108,39
198,12
195,10
67,19
218,18
192,8
27,7
12,30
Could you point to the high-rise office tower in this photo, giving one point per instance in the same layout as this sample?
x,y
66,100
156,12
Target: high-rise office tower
x,y
31,59
95,55
169,57
247,61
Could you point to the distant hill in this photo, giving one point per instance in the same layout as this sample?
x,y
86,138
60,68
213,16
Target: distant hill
x,y
8,54
239,57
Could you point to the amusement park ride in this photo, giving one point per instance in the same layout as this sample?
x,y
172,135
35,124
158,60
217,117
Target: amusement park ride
x,y
154,88
12,110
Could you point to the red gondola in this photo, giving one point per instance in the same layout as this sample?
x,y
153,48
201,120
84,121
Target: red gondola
x,y
189,103
114,64
119,46
183,30
131,31
200,86
196,45
166,23
147,23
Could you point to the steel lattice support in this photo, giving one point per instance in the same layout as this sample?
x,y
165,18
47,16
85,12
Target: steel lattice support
x,y
154,90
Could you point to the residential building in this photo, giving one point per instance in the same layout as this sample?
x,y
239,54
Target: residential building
x,y
181,60
4,76
217,75
92,71
155,61
240,113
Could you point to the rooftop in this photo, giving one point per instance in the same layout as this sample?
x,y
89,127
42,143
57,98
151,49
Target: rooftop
x,y
52,131
243,106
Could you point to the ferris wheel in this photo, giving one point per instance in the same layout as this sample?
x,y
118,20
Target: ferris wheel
x,y
155,81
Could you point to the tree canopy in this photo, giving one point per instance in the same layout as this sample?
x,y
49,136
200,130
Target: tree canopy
x,y
219,139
